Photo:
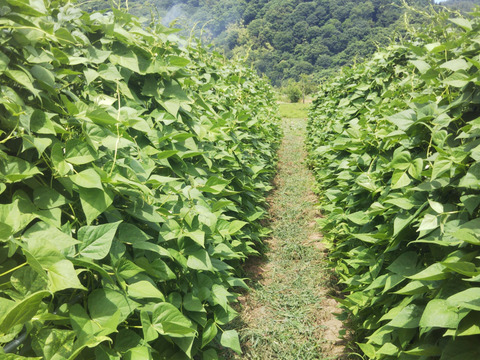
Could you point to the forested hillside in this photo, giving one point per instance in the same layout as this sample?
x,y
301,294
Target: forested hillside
x,y
284,38
461,5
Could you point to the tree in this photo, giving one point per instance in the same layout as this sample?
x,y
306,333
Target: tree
x,y
293,92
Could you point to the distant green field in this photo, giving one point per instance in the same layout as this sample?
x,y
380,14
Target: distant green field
x,y
294,111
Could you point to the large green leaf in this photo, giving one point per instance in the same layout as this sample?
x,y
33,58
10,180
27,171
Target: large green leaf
x,y
96,241
14,169
168,320
438,313
229,339
22,311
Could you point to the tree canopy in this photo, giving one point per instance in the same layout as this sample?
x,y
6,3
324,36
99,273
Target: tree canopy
x,y
287,38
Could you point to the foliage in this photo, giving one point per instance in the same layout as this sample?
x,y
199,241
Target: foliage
x,y
132,177
394,144
296,90
285,38
461,5
293,92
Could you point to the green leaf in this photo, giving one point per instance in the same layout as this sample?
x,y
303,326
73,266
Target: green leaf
x,y
168,320
97,56
47,198
400,179
96,241
429,222
405,264
460,349
54,343
143,211
27,281
440,167
421,65
235,226
109,72
403,120
88,178
472,179
470,325
434,272
425,350
62,275
59,162
94,202
40,123
200,260
407,318
469,299
401,202
468,232
14,169
4,61
103,303
44,75
209,332
214,185
436,206
101,117
455,65
388,349
439,313
412,288
42,233
210,354
41,144
144,290
22,311
23,78
415,169
458,79
198,236
192,303
359,218
462,22
130,233
401,160
78,152
230,340
178,61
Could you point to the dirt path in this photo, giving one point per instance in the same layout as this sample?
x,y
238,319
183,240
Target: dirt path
x,y
288,315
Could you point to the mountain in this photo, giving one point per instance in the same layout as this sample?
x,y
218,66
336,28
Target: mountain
x,y
461,5
284,39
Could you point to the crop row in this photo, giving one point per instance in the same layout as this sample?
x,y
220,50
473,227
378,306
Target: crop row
x,y
395,147
133,170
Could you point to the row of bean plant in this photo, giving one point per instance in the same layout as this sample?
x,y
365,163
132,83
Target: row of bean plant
x,y
395,148
133,172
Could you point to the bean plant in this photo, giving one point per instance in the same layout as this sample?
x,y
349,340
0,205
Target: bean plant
x,y
133,172
395,147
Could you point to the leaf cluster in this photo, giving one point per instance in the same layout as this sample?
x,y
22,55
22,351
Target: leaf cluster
x,y
394,144
133,174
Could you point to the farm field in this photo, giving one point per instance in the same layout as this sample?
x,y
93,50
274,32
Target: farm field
x,y
159,200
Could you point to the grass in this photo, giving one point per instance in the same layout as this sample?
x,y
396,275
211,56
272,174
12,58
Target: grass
x,y
287,314
294,110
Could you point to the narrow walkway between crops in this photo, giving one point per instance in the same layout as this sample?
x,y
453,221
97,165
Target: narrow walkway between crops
x,y
288,315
